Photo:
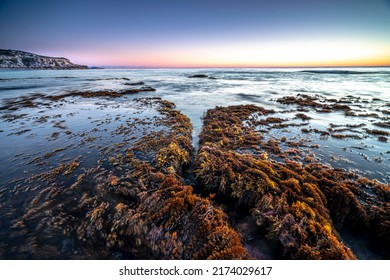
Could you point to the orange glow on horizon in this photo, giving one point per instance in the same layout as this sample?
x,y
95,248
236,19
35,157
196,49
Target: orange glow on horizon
x,y
258,54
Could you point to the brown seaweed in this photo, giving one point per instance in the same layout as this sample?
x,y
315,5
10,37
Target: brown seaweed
x,y
301,207
133,204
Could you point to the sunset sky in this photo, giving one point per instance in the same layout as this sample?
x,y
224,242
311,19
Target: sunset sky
x,y
189,33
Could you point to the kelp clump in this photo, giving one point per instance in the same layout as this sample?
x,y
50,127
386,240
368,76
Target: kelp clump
x,y
299,206
132,204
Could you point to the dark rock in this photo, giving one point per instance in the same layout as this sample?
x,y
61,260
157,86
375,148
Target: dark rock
x,y
199,76
135,84
147,88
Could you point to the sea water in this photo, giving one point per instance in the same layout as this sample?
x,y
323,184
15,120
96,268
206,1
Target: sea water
x,y
368,88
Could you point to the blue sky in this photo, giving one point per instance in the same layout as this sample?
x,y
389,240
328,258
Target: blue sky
x,y
201,33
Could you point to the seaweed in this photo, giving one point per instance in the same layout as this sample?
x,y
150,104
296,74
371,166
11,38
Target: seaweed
x,y
299,206
132,205
302,116
377,132
320,104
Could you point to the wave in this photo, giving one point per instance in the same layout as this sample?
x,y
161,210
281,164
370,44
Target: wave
x,y
344,72
64,77
248,97
19,87
108,79
12,79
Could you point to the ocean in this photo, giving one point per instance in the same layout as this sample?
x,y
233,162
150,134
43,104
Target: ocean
x,y
367,91
340,116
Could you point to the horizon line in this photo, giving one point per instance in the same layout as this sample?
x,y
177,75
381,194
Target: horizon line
x,y
231,67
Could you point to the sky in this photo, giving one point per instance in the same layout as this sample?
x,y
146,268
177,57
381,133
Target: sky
x,y
198,33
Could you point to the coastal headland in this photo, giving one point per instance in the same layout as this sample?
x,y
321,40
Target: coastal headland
x,y
14,59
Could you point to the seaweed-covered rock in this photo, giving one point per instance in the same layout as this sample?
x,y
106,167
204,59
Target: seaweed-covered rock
x,y
130,204
199,76
296,205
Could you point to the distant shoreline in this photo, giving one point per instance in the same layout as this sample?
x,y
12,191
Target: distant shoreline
x,y
15,59
233,67
189,68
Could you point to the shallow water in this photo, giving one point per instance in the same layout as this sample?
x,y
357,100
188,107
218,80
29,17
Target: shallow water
x,y
365,90
39,133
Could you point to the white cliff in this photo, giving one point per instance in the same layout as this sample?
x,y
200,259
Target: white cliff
x,y
21,59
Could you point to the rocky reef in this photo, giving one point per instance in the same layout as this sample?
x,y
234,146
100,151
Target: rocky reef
x,y
21,59
199,76
303,208
113,200
202,76
121,180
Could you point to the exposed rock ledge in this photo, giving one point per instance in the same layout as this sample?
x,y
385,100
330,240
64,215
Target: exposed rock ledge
x,y
21,59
